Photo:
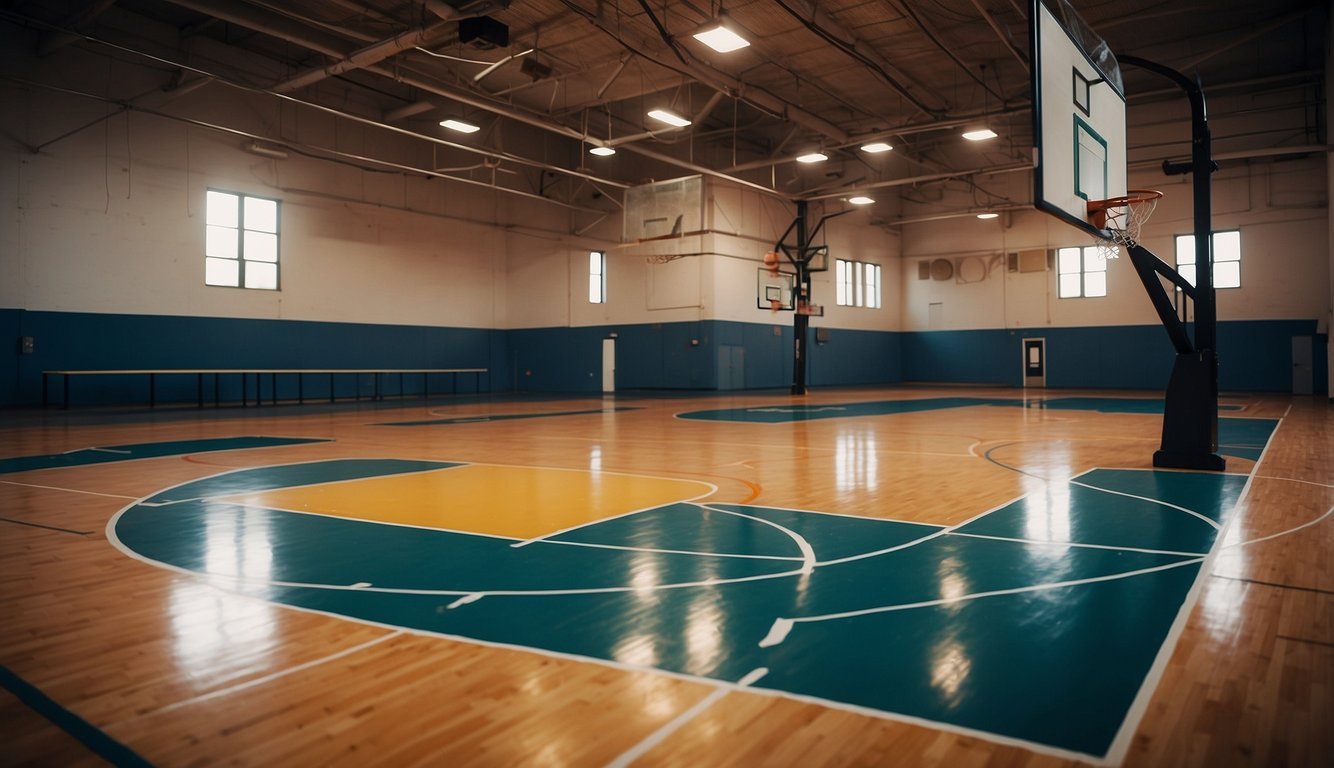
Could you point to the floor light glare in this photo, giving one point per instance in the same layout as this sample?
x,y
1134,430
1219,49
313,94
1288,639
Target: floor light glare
x,y
462,126
721,39
602,151
876,147
812,157
670,118
861,200
985,216
981,134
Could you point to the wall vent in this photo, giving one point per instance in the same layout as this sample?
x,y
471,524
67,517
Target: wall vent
x,y
1030,260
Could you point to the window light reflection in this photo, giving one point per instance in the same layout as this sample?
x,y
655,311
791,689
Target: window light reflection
x,y
855,464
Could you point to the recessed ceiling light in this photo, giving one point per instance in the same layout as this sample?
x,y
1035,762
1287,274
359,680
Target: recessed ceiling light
x,y
876,146
861,200
721,39
454,124
981,134
670,118
987,215
812,157
602,151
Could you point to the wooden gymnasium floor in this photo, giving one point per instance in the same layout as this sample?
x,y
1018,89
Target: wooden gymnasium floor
x,y
858,577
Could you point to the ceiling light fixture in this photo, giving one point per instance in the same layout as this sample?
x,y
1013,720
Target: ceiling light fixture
x,y
720,38
876,146
462,126
668,117
980,134
985,216
861,200
812,157
602,151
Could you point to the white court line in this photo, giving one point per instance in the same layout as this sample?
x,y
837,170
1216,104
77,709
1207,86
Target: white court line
x,y
1040,542
807,552
1140,705
262,680
658,736
1307,524
781,627
1168,504
69,490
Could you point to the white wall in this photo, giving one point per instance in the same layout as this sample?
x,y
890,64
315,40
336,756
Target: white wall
x,y
1278,205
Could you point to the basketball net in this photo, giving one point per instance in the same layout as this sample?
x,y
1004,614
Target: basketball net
x,y
1123,217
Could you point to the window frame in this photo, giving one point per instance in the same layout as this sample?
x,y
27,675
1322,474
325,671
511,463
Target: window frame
x,y
243,237
858,284
1083,254
597,277
1189,273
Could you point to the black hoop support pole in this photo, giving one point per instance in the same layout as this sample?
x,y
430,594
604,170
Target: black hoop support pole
x,y
1190,413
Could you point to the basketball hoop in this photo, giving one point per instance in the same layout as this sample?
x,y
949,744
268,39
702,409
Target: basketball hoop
x,y
1123,217
775,305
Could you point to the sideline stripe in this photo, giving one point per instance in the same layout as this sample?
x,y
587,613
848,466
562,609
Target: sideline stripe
x,y
104,454
270,677
678,722
89,735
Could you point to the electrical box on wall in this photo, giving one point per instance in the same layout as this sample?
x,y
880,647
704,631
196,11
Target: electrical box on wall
x,y
25,345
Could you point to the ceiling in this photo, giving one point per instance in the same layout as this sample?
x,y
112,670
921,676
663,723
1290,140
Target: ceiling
x,y
574,74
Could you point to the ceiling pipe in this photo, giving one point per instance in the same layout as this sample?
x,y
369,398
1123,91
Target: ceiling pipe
x,y
720,81
52,41
284,30
371,54
377,52
281,29
923,178
696,120
1000,35
273,152
810,13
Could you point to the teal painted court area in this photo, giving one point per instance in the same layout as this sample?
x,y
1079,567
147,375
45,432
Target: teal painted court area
x,y
1241,437
782,414
113,453
1038,621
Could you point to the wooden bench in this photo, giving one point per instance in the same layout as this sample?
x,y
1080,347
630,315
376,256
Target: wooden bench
x,y
259,373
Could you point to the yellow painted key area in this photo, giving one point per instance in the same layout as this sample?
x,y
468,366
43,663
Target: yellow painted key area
x,y
515,502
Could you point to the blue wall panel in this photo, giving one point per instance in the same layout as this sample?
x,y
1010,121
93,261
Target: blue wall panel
x,y
1254,355
851,357
1257,355
69,340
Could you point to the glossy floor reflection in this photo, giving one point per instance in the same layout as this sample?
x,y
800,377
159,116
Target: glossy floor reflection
x,y
1068,595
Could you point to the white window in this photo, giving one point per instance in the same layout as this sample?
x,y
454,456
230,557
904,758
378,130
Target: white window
x,y
1227,258
597,277
856,284
240,241
1082,272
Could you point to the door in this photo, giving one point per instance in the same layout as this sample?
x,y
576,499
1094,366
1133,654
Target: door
x,y
1035,362
1303,367
609,365
731,366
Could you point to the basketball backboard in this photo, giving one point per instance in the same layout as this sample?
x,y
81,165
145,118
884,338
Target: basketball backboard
x,y
1079,116
775,289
